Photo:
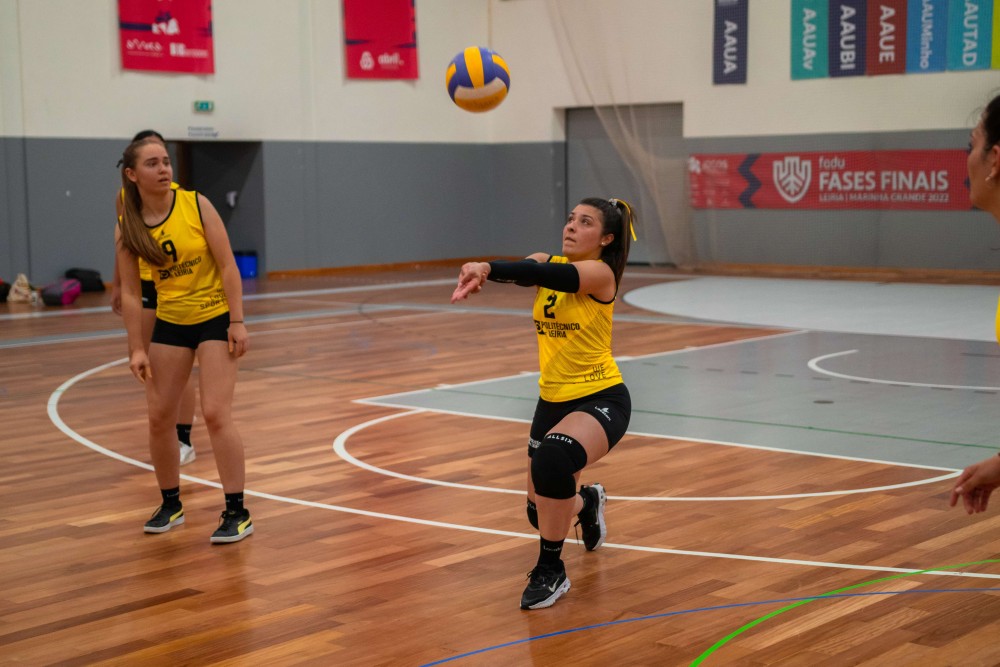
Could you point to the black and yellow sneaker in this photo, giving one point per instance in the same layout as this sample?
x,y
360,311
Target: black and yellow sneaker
x,y
233,527
164,519
546,584
591,519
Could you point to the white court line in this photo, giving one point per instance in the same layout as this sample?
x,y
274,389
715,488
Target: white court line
x,y
53,412
246,297
382,401
340,448
814,365
379,400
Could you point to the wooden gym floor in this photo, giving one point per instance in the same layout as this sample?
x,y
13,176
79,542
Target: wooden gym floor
x,y
766,508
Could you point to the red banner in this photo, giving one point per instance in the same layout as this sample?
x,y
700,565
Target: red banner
x,y
166,35
887,37
898,180
380,39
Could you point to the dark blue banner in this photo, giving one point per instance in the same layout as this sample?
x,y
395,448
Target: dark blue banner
x,y
847,25
729,61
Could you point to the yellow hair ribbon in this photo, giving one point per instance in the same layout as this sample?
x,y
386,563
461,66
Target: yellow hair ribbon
x,y
631,228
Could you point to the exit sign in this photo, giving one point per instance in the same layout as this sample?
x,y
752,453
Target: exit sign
x,y
204,106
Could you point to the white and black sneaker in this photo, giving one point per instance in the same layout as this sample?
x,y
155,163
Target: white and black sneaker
x,y
591,518
546,584
186,453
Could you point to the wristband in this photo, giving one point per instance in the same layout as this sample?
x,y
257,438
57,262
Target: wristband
x,y
236,321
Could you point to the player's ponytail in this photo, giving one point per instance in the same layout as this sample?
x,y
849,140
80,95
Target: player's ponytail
x,y
135,236
619,220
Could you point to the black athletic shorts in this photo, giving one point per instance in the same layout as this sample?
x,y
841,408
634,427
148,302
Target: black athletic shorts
x,y
191,335
148,294
611,407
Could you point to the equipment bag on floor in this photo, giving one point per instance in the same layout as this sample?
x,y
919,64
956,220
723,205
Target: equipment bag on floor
x,y
90,280
61,293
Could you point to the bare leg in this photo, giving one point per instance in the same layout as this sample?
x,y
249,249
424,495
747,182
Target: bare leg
x,y
171,366
185,412
217,372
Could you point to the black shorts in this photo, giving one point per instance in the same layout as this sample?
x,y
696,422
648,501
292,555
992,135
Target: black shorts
x,y
611,407
191,335
148,294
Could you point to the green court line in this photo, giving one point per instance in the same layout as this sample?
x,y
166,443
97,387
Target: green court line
x,y
722,642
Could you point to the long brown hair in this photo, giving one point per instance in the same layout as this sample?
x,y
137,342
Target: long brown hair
x,y
135,235
618,219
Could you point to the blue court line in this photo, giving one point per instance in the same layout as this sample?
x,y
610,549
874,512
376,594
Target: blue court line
x,y
702,609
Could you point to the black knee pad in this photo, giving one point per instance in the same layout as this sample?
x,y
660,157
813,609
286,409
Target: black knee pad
x,y
555,462
532,514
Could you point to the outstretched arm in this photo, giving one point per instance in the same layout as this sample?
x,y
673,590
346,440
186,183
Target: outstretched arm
x,y
589,276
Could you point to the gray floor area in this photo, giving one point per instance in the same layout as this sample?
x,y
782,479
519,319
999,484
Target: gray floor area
x,y
908,376
963,312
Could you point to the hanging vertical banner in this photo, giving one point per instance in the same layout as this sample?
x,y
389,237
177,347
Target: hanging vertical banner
x,y
887,37
166,35
926,35
970,30
380,39
995,58
729,57
848,25
810,34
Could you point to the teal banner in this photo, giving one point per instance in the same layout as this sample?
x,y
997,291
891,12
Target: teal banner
x,y
970,34
810,21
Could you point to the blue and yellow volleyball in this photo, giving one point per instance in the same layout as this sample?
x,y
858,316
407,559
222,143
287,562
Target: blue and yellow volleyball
x,y
478,79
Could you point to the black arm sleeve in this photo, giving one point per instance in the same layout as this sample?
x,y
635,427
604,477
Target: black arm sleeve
x,y
528,272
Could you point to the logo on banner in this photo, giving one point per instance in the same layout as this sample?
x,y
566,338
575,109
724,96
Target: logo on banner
x,y
367,62
694,165
791,177
165,24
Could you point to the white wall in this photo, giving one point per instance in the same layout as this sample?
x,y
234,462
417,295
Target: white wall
x,y
280,75
10,71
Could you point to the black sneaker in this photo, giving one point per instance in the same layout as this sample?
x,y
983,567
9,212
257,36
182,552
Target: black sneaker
x,y
233,527
164,519
545,585
591,520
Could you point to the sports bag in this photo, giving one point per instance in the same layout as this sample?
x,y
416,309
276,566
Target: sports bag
x,y
61,293
90,280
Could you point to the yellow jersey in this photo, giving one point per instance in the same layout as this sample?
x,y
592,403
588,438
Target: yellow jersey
x,y
144,272
574,343
189,286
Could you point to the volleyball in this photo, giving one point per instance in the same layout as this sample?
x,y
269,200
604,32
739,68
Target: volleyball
x,y
477,79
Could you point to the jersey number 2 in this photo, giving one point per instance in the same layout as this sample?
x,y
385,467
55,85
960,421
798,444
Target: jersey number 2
x,y
549,305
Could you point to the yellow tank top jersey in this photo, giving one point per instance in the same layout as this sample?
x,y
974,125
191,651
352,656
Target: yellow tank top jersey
x,y
144,272
574,343
189,287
